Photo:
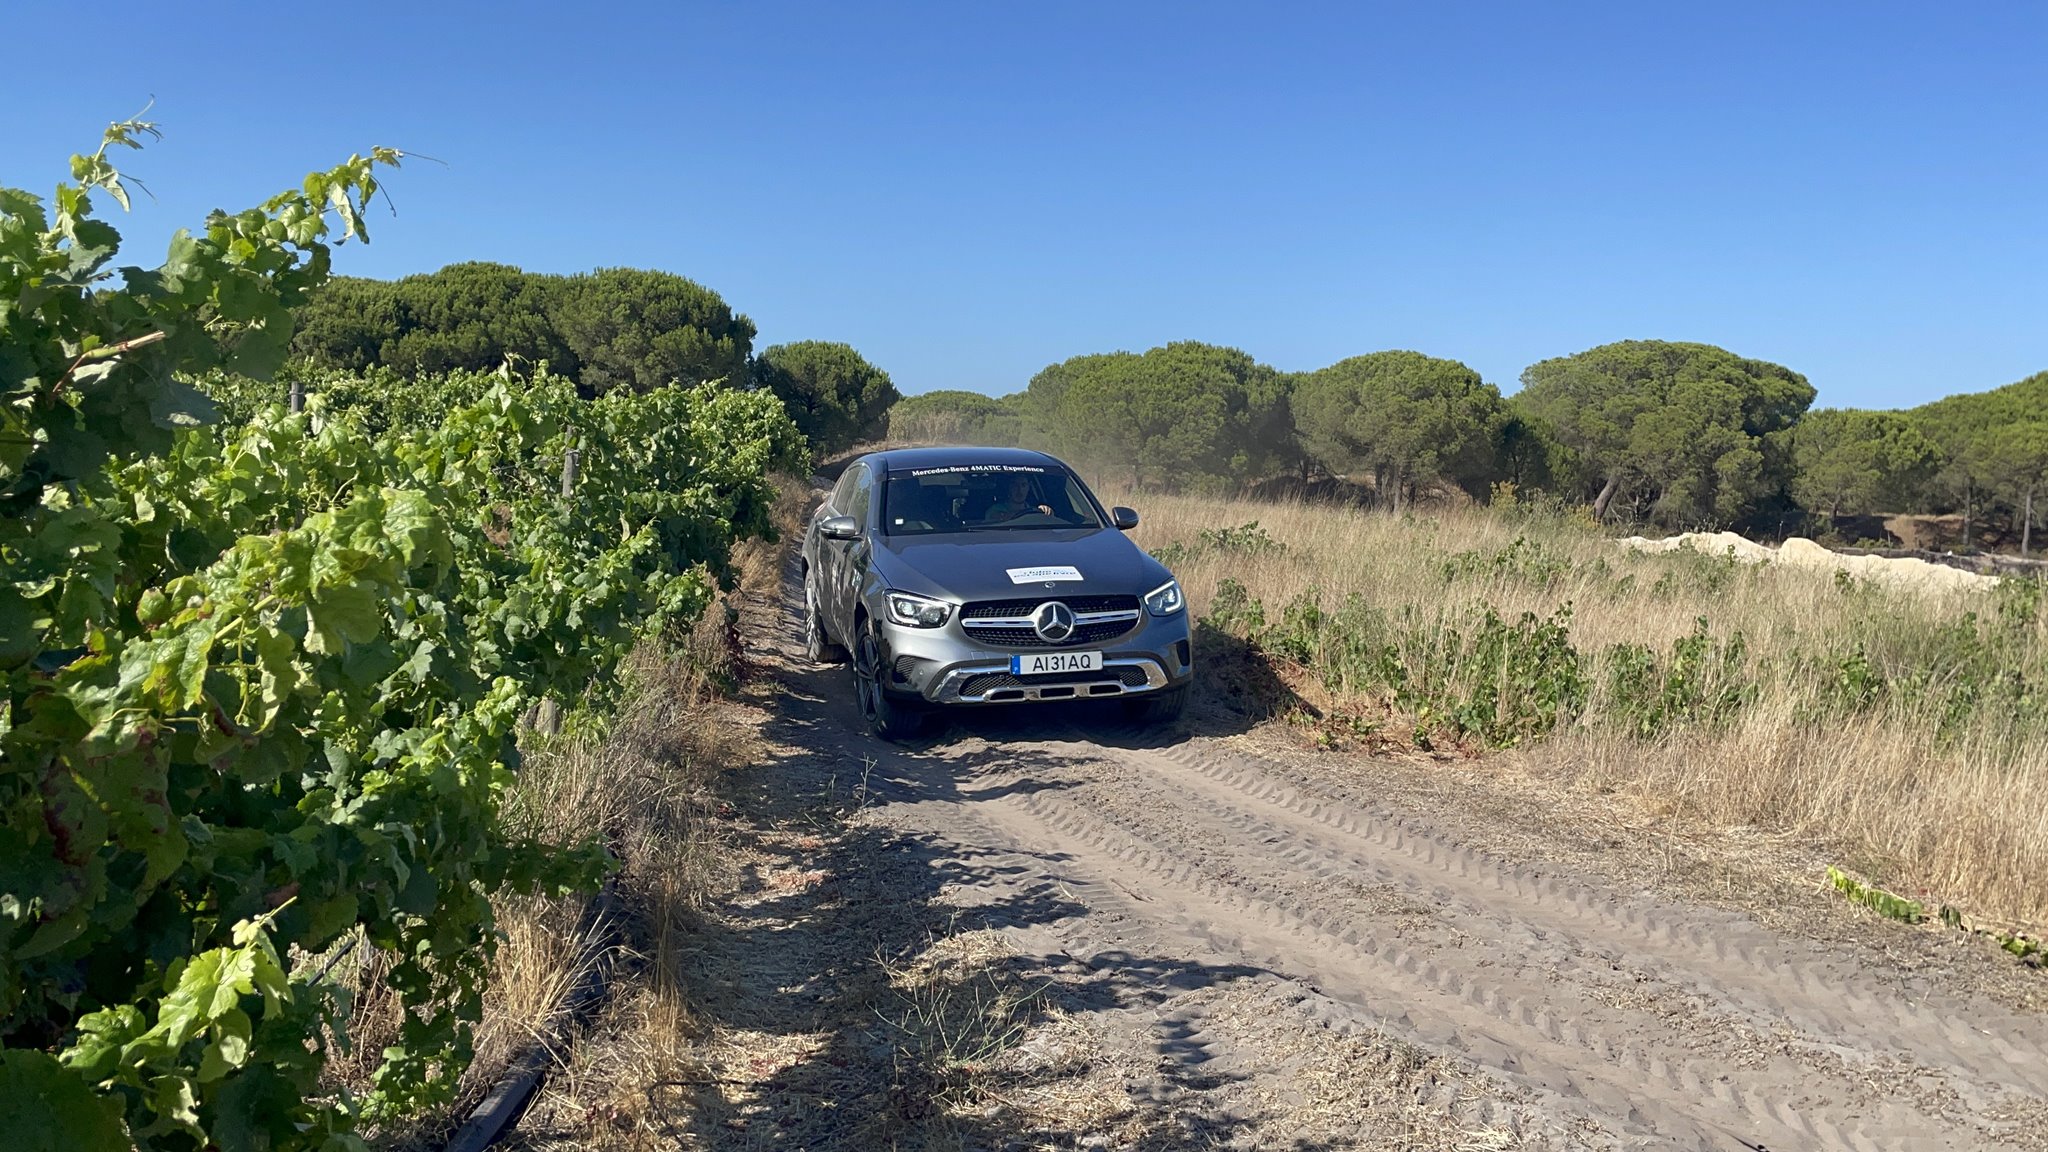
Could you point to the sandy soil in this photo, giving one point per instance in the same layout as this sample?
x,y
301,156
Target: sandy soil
x,y
1044,928
1798,552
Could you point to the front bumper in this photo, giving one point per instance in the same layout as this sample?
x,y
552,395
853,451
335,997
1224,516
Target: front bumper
x,y
946,666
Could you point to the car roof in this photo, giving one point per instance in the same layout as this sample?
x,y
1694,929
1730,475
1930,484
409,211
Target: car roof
x,y
901,459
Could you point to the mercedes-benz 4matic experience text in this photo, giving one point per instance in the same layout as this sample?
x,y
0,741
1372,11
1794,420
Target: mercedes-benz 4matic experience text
x,y
965,576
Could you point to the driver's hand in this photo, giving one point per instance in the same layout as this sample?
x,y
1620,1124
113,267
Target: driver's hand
x,y
1045,509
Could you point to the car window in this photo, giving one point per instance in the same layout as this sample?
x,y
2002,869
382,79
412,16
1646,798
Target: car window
x,y
985,498
863,495
842,493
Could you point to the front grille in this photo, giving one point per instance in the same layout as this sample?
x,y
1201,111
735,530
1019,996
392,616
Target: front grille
x,y
1014,636
1026,638
1129,675
981,609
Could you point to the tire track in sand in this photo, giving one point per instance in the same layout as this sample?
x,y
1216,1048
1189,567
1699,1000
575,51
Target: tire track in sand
x,y
1639,1077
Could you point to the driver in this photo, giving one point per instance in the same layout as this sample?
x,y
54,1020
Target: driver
x,y
1017,500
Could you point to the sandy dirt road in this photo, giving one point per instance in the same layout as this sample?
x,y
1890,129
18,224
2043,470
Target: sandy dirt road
x,y
1249,940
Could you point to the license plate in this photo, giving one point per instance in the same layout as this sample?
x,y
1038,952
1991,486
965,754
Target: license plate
x,y
1041,663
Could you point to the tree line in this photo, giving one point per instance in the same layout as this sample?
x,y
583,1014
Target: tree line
x,y
1673,434
610,329
1680,435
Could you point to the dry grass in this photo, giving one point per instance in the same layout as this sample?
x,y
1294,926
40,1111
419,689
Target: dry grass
x,y
1900,788
952,1015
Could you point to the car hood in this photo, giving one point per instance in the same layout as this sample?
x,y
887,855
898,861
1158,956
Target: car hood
x,y
975,565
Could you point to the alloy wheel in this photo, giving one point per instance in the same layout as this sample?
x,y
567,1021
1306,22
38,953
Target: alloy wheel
x,y
867,685
813,633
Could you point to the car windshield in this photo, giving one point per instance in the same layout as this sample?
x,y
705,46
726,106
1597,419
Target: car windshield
x,y
984,498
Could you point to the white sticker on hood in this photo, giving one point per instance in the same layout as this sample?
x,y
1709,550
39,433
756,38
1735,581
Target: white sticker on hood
x,y
1034,575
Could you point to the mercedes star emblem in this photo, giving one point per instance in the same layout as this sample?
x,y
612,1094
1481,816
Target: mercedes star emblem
x,y
1053,621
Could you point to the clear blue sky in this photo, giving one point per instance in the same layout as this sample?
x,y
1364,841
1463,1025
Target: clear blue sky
x,y
967,191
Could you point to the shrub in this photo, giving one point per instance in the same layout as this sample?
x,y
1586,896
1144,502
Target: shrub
x,y
1244,540
1704,681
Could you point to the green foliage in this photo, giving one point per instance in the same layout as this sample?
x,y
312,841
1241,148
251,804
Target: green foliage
x,y
263,678
1971,675
1474,674
1184,416
633,328
1876,899
1857,685
1994,449
1504,681
88,369
951,416
1681,430
466,316
1541,513
1409,419
836,398
1244,540
378,398
1039,405
1526,454
1233,610
348,321
246,1090
1704,682
1690,571
1686,435
1845,461
44,1107
613,328
2019,600
1522,561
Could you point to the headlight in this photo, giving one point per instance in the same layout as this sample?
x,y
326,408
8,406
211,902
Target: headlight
x,y
1166,599
917,611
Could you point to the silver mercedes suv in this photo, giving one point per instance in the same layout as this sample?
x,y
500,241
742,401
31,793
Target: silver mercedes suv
x,y
964,576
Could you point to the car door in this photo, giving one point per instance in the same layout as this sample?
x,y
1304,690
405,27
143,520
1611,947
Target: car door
x,y
821,554
850,557
828,556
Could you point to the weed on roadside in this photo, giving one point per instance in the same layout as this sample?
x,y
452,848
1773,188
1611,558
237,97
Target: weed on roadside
x,y
955,1011
1467,674
1245,540
1523,560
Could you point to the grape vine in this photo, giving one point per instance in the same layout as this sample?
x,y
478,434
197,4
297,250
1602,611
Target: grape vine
x,y
264,675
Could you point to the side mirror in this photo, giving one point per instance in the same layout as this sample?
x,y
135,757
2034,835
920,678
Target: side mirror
x,y
839,528
1125,519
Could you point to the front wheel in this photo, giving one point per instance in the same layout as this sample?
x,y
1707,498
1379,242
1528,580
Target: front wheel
x,y
889,717
1162,707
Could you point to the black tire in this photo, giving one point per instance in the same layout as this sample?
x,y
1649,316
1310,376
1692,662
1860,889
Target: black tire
x,y
889,717
818,647
1162,707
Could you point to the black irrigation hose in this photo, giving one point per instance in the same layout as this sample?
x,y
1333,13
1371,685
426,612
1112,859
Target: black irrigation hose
x,y
499,1110
338,957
